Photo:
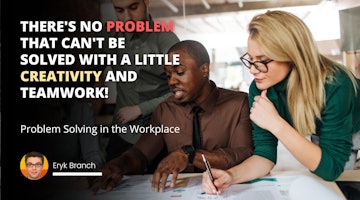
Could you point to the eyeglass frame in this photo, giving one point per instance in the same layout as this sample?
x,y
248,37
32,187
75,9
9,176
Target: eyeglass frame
x,y
36,165
264,62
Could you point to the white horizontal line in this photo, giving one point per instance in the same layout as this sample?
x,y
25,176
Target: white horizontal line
x,y
77,173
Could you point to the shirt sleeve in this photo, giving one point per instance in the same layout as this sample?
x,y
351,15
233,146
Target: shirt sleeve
x,y
150,144
335,128
147,107
265,143
240,143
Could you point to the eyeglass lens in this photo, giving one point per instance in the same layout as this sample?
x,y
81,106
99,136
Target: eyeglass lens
x,y
258,64
37,165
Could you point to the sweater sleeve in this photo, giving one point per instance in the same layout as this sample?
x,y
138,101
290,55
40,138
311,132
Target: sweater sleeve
x,y
265,143
335,129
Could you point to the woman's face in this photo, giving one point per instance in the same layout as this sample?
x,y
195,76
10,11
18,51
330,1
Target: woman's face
x,y
277,71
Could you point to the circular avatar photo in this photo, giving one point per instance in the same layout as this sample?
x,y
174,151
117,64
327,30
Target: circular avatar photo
x,y
34,165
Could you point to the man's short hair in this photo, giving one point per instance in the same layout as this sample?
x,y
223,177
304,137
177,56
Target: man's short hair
x,y
34,154
195,49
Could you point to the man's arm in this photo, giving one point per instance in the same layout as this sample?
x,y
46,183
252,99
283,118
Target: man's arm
x,y
240,145
219,158
129,162
239,148
134,160
147,107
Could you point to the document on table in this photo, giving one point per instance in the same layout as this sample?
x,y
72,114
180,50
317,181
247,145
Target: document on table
x,y
139,188
258,190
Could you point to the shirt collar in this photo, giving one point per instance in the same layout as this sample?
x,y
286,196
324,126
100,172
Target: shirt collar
x,y
210,101
278,89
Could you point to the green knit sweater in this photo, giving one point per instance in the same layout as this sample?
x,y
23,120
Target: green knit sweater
x,y
340,119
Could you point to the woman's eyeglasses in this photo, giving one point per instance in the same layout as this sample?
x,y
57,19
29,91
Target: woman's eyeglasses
x,y
260,65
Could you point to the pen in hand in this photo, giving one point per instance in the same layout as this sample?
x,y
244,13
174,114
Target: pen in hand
x,y
208,167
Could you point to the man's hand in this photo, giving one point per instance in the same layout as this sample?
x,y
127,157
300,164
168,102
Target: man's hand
x,y
112,174
128,113
174,163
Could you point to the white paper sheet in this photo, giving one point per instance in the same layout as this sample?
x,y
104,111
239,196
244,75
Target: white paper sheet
x,y
305,187
279,188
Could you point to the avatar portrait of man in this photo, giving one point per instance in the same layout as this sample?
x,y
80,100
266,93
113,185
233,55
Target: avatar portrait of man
x,y
34,165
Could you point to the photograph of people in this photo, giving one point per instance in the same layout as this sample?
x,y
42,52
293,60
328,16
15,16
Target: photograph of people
x,y
223,124
296,93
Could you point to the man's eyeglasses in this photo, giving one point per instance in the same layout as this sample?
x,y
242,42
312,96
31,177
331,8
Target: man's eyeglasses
x,y
36,165
260,65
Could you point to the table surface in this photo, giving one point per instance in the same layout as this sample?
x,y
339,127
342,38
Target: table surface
x,y
184,178
350,175
347,175
329,184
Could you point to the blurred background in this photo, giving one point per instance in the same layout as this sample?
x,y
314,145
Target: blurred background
x,y
221,25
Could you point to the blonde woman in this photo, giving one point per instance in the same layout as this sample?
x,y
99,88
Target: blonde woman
x,y
296,92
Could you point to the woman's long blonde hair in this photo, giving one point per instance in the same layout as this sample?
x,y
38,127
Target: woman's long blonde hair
x,y
284,37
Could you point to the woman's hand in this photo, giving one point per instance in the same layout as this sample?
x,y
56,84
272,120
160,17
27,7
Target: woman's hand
x,y
264,114
222,180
